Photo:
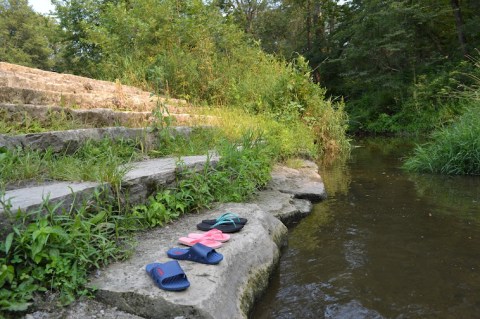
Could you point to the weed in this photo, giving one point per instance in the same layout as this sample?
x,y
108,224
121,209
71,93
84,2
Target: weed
x,y
56,250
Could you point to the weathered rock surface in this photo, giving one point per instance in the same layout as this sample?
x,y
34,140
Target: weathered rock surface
x,y
89,309
98,117
32,197
226,290
69,141
141,181
283,206
24,85
303,183
144,178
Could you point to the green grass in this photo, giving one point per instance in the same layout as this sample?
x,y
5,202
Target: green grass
x,y
453,150
93,161
23,123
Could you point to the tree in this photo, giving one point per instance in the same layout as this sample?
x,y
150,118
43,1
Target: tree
x,y
459,25
78,18
24,35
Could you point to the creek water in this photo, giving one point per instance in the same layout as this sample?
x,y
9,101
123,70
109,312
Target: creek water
x,y
385,244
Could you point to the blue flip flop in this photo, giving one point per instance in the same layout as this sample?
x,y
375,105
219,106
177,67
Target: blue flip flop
x,y
168,276
198,253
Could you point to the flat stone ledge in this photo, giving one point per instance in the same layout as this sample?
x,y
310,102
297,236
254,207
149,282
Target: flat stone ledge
x,y
32,197
283,206
303,183
70,140
227,290
96,117
145,178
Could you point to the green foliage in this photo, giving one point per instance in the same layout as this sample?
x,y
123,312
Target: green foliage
x,y
54,250
189,49
25,36
243,168
453,150
79,54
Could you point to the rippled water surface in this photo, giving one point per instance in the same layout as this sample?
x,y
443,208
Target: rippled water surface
x,y
386,244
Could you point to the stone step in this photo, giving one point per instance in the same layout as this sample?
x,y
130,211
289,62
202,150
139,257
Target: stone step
x,y
61,83
70,140
142,180
19,84
13,75
127,102
99,117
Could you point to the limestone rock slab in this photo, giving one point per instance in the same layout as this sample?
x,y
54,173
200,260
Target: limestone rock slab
x,y
31,197
70,140
144,178
303,183
282,205
226,290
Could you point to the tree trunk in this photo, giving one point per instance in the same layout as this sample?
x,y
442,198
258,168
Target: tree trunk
x,y
309,25
459,24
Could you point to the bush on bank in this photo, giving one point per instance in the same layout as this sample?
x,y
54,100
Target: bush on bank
x,y
453,150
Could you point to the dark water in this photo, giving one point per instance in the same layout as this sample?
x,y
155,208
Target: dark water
x,y
386,244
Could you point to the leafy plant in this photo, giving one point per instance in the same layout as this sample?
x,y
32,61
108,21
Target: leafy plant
x,y
52,249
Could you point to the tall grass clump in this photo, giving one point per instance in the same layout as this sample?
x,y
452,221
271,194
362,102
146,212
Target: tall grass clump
x,y
453,150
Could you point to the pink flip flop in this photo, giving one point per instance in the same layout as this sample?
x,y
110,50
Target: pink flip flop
x,y
204,241
213,234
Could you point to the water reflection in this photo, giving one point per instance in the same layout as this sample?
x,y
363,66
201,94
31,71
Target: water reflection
x,y
384,245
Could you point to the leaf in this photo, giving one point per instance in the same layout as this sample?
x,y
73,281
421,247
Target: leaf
x,y
8,242
7,274
97,218
16,306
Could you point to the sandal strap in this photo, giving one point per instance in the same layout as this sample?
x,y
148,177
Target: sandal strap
x,y
228,216
224,222
201,251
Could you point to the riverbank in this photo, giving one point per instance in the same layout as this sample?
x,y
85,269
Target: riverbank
x,y
227,290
